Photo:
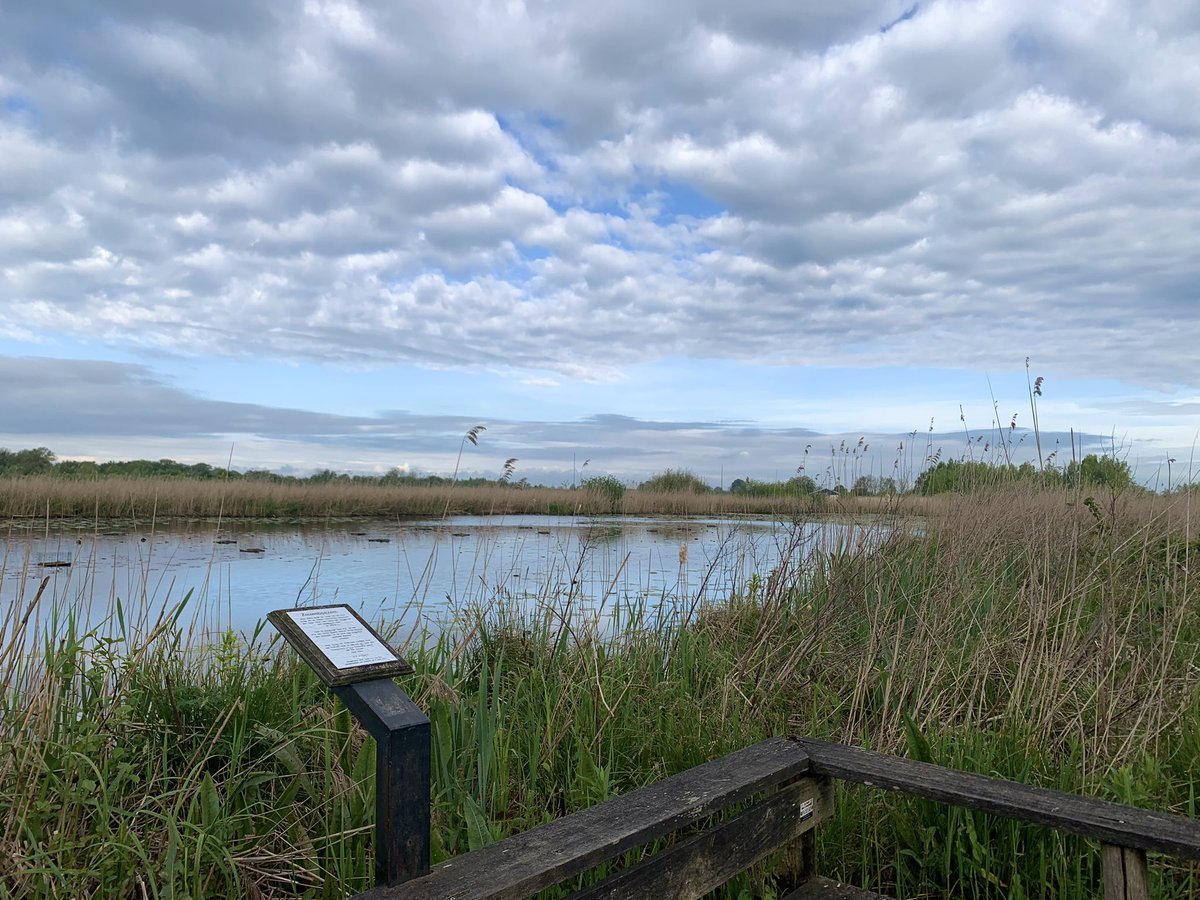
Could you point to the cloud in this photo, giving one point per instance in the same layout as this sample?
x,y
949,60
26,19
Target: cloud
x,y
1178,408
95,398
103,410
575,189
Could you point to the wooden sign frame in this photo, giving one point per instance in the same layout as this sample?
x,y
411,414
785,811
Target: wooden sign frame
x,y
329,641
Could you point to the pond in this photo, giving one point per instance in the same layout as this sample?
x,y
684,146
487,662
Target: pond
x,y
421,574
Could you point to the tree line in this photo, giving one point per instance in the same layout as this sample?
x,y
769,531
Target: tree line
x,y
967,475
42,461
947,476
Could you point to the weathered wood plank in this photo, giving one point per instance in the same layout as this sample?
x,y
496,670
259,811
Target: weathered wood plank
x,y
698,865
1111,823
525,863
827,889
1125,874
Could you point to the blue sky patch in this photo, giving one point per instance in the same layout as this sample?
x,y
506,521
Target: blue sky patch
x,y
684,200
17,105
903,17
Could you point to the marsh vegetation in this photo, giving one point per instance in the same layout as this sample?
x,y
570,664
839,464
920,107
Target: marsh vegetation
x,y
32,500
1021,633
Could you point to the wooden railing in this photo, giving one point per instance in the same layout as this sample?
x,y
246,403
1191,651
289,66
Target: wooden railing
x,y
1125,832
565,848
792,781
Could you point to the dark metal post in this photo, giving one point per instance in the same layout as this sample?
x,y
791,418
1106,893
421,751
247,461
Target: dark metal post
x,y
401,733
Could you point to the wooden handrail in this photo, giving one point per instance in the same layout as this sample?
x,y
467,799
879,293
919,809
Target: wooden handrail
x,y
525,863
703,863
1111,823
795,773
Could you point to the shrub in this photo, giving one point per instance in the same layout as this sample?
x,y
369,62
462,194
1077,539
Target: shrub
x,y
607,490
675,481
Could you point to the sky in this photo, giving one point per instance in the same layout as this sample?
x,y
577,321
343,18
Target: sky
x,y
747,239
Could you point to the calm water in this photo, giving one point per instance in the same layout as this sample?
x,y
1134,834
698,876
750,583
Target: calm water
x,y
420,573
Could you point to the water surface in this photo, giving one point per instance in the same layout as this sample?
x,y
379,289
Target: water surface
x,y
421,573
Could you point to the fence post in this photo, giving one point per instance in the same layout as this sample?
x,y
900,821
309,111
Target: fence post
x,y
1125,873
799,861
401,733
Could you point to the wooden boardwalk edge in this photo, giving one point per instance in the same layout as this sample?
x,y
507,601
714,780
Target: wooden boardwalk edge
x,y
523,864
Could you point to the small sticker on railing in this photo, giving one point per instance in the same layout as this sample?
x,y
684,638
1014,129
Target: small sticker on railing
x,y
806,809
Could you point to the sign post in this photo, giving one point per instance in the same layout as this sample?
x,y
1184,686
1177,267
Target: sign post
x,y
356,663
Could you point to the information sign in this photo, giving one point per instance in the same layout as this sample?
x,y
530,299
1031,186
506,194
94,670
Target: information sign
x,y
338,643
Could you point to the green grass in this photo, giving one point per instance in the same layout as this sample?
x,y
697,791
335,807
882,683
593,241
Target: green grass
x,y
1019,635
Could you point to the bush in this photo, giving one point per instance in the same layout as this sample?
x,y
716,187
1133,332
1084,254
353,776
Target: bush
x,y
800,486
675,481
607,490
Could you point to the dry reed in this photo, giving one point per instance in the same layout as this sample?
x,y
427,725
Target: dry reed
x,y
42,498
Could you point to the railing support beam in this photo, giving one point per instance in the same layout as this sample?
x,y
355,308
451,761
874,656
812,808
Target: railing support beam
x,y
401,733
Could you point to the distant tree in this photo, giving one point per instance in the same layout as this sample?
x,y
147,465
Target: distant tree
x,y
873,486
801,484
961,476
38,461
1100,470
76,469
263,475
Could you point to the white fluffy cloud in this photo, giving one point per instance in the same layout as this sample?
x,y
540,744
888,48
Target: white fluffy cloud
x,y
576,187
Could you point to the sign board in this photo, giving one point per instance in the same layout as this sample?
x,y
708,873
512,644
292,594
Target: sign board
x,y
338,643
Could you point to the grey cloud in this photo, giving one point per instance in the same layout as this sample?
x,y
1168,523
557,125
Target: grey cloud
x,y
812,26
89,397
90,408
362,182
1181,408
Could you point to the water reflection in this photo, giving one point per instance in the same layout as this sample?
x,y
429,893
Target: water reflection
x,y
420,573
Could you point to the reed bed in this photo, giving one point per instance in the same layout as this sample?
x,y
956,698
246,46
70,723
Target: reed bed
x,y
41,498
1019,633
